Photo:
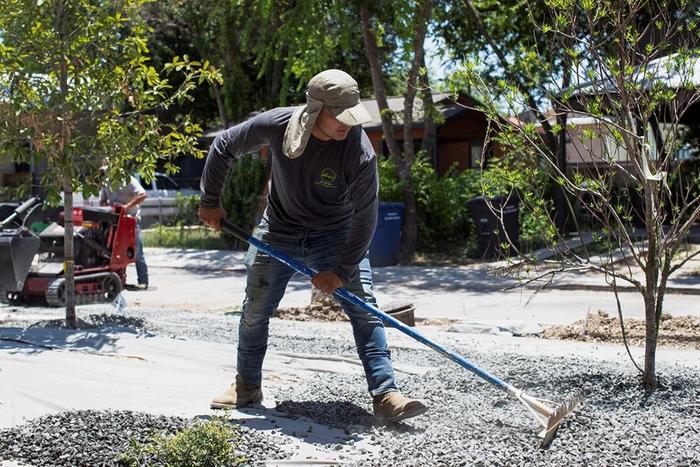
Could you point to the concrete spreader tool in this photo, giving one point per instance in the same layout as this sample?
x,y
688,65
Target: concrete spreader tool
x,y
546,412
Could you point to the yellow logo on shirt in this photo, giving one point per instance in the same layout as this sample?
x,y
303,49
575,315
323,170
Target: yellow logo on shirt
x,y
327,178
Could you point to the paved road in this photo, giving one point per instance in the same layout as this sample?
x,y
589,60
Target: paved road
x,y
214,281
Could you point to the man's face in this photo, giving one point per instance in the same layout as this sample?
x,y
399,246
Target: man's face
x,y
328,128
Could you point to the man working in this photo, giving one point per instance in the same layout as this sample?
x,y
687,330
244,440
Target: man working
x,y
322,210
130,196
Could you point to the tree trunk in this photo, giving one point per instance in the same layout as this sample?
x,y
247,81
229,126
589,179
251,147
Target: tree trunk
x,y
560,203
651,269
276,82
409,230
276,68
650,341
66,164
68,253
375,68
220,105
429,143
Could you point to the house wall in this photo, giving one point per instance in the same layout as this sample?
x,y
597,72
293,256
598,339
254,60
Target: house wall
x,y
459,140
376,136
6,168
582,149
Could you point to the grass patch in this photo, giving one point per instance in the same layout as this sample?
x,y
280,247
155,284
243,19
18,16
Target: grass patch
x,y
205,444
451,256
196,237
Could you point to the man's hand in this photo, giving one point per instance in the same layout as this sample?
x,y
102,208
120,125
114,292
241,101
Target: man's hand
x,y
327,281
211,217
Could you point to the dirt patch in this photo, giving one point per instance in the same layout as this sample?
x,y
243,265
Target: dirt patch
x,y
322,309
674,331
436,321
326,308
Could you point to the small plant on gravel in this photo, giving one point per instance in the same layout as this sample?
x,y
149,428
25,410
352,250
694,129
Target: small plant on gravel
x,y
210,443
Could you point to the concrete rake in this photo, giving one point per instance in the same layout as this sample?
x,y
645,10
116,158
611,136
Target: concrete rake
x,y
548,413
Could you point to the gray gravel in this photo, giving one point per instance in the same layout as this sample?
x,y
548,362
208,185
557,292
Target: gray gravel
x,y
94,438
470,422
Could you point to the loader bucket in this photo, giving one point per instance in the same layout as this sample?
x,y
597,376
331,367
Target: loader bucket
x,y
16,255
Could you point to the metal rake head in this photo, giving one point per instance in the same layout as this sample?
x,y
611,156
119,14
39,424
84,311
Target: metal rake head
x,y
549,417
557,415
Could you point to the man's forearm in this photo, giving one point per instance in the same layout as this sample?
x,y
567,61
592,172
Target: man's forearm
x,y
365,192
136,201
358,242
214,174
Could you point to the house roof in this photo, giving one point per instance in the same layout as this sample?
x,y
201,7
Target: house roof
x,y
668,70
444,103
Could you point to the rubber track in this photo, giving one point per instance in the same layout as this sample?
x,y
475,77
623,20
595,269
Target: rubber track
x,y
80,299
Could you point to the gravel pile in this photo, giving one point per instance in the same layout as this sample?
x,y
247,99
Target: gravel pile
x,y
84,437
95,438
470,422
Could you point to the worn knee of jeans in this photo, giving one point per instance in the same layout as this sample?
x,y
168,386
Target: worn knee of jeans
x,y
255,314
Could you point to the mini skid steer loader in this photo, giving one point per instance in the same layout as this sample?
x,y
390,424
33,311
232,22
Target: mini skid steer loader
x,y
32,265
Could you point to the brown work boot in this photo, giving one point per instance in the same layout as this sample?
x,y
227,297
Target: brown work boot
x,y
239,394
392,407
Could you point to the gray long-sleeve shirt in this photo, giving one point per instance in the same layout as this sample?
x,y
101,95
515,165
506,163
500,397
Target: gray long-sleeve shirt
x,y
332,184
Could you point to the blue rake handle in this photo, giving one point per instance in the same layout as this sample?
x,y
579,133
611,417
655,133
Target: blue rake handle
x,y
549,417
230,229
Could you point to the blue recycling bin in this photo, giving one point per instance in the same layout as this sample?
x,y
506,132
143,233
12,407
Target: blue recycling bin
x,y
384,249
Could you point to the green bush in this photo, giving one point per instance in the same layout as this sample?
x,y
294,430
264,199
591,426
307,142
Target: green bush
x,y
242,187
209,443
187,207
442,203
14,194
389,185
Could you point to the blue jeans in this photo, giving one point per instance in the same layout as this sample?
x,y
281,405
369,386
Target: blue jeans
x,y
267,281
141,268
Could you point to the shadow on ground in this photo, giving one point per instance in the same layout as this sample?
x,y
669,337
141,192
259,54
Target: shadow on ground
x,y
94,333
312,421
475,279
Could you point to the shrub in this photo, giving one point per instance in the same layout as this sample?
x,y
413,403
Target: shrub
x,y
242,187
14,194
209,443
442,203
187,207
389,184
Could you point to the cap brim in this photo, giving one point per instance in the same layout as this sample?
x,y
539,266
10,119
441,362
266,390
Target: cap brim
x,y
356,115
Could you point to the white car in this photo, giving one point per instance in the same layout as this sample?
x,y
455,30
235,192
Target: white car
x,y
159,205
162,192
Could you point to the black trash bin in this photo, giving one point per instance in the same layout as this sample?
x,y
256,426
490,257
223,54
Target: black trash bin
x,y
490,234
